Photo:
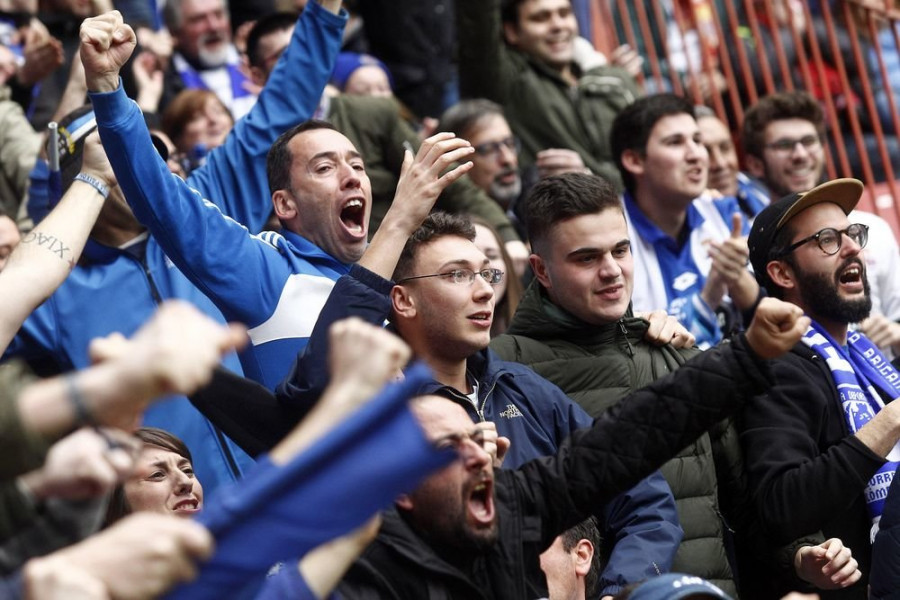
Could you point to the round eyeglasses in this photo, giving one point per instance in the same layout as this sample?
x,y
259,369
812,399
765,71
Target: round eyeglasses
x,y
831,239
492,276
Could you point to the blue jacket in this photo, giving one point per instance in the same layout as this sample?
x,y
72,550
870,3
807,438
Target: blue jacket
x,y
117,290
273,283
537,416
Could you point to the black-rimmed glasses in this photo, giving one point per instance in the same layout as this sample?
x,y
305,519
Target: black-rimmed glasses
x,y
831,239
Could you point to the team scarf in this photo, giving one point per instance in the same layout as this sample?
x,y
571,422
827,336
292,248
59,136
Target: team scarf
x,y
857,371
193,80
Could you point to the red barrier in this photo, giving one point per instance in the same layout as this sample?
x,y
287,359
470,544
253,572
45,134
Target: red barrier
x,y
716,43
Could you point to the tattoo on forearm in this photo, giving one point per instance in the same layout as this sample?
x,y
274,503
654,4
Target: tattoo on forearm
x,y
51,243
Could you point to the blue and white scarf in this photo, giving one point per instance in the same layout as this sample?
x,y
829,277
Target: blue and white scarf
x,y
856,374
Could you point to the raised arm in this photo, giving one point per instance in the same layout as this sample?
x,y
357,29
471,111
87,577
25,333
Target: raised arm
x,y
47,254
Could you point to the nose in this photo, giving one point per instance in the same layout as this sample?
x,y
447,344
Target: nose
x,y
482,290
183,483
507,156
696,151
609,268
474,456
799,151
849,246
350,177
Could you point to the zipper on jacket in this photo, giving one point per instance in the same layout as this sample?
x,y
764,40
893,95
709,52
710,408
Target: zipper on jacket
x,y
625,335
480,410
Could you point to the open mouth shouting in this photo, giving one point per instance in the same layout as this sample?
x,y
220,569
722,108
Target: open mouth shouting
x,y
353,217
480,503
850,277
188,506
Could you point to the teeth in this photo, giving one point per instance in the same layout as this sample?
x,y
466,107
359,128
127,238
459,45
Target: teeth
x,y
354,204
480,487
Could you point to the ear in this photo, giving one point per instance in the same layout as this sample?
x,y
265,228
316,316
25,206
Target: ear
x,y
404,502
755,166
257,76
781,274
633,161
511,34
540,270
284,205
583,554
403,303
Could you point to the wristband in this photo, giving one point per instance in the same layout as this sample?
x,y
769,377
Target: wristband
x,y
83,415
95,183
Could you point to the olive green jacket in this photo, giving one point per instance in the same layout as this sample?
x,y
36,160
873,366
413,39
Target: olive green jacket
x,y
597,366
542,108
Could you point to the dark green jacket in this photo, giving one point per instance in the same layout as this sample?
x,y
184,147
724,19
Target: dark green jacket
x,y
376,129
597,366
541,107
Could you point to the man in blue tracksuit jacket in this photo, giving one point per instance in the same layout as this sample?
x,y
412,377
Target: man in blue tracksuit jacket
x,y
534,414
116,290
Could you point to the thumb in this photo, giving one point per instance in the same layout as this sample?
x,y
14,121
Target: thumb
x,y
737,226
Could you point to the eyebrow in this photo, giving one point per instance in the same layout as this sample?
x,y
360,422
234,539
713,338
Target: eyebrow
x,y
594,250
461,262
332,155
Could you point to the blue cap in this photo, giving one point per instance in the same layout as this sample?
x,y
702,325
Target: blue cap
x,y
348,62
675,586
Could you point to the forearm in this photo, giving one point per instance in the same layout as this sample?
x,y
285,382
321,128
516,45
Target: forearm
x,y
46,255
744,292
333,6
881,434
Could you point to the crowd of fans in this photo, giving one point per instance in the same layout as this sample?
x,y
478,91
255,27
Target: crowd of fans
x,y
298,302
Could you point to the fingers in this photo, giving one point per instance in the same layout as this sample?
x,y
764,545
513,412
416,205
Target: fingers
x,y
737,226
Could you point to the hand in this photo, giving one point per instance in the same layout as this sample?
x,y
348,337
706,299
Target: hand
x,y
628,58
95,162
883,332
43,55
106,44
666,329
8,64
84,465
421,179
159,43
775,328
141,556
148,75
556,161
828,566
494,444
364,356
518,254
173,353
729,261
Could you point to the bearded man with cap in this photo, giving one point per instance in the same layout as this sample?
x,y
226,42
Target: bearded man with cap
x,y
821,445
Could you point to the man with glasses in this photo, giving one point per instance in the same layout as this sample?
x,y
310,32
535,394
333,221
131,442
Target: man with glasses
x,y
820,446
782,135
441,303
495,163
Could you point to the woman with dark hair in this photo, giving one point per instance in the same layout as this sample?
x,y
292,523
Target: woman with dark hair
x,y
163,480
508,292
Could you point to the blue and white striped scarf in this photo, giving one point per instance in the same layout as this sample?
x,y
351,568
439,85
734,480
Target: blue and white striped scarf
x,y
855,374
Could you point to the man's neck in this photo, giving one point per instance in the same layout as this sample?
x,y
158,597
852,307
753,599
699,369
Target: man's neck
x,y
452,374
667,214
837,331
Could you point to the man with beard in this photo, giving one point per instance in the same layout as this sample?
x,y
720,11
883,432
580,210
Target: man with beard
x,y
470,531
782,136
821,445
495,163
204,56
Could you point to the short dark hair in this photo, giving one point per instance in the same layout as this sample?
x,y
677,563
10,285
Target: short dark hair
x,y
632,127
436,225
463,117
562,197
780,244
151,436
509,11
778,107
586,530
267,25
279,159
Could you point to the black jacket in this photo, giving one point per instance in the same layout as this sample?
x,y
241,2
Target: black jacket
x,y
807,471
547,496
